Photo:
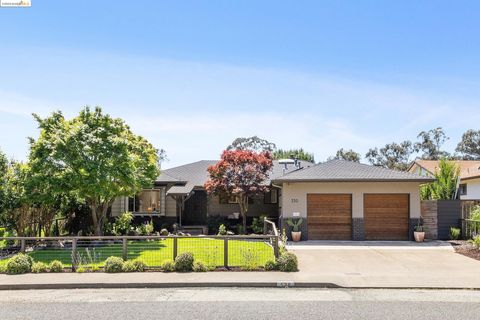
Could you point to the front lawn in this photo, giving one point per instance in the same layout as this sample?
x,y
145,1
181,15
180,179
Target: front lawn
x,y
208,250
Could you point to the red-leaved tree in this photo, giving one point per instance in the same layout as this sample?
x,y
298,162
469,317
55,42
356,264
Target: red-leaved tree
x,y
240,173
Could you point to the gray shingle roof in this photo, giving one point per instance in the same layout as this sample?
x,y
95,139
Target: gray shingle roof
x,y
340,170
195,174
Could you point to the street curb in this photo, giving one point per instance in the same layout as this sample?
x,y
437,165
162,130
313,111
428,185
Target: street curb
x,y
140,285
280,284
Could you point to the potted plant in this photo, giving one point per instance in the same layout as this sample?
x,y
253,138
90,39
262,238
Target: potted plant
x,y
419,233
295,224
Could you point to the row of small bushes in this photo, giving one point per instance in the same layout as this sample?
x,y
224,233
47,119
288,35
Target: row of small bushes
x,y
23,263
184,262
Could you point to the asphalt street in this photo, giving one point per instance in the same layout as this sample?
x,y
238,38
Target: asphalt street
x,y
236,303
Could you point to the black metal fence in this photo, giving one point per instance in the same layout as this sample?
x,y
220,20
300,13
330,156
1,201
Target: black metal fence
x,y
92,251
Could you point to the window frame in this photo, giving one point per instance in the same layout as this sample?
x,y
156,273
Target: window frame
x,y
136,198
267,197
462,189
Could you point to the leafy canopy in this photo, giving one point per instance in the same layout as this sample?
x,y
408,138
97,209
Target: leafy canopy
x,y
348,155
253,144
299,154
94,155
469,146
431,143
393,155
240,173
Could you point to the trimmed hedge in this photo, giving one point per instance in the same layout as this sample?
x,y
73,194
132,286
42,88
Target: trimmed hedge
x,y
287,262
113,264
184,262
20,263
56,266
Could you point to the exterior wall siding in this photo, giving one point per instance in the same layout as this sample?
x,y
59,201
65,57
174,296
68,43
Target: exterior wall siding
x,y
170,207
473,189
255,209
118,206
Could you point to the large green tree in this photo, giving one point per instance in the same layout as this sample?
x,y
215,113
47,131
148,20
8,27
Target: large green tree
x,y
348,155
95,156
469,146
393,155
431,143
299,154
18,215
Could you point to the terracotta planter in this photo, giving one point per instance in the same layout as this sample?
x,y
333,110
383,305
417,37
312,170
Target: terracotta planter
x,y
296,236
419,236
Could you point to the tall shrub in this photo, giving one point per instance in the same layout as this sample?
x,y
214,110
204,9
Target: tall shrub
x,y
445,185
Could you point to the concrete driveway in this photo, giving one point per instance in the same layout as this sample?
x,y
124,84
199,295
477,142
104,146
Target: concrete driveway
x,y
385,264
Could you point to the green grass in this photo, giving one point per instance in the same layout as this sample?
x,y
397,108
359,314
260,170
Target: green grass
x,y
208,250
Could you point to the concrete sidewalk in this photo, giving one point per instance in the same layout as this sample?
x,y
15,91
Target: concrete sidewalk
x,y
368,267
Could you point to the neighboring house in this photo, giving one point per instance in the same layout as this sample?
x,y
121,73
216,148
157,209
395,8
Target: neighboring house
x,y
338,200
469,187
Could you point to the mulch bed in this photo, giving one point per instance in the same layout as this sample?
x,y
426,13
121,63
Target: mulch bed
x,y
464,248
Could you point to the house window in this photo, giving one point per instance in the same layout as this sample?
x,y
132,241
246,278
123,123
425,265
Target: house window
x,y
147,200
462,189
227,199
271,197
231,199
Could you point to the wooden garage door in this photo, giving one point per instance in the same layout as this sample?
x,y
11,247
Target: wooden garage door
x,y
386,216
329,216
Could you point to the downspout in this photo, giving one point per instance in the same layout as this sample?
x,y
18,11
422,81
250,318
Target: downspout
x,y
280,216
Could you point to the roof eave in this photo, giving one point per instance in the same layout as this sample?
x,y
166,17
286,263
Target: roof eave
x,y
421,180
470,178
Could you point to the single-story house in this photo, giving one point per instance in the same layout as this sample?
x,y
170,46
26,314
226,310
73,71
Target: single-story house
x,y
179,196
338,200
469,186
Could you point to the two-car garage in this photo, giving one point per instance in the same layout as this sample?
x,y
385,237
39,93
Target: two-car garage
x,y
385,216
342,200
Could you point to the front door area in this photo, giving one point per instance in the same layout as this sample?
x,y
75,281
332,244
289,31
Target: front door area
x,y
195,212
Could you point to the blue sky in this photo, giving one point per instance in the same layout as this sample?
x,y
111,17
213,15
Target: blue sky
x,y
191,76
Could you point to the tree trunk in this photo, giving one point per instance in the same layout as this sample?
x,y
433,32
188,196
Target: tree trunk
x,y
243,203
96,225
99,212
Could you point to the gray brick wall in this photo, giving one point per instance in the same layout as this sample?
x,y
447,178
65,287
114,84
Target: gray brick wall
x,y
413,222
358,229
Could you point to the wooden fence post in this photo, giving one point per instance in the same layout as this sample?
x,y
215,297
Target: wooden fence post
x,y
225,252
275,247
175,247
74,254
124,248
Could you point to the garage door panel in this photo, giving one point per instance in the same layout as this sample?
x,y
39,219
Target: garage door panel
x,y
386,216
329,216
